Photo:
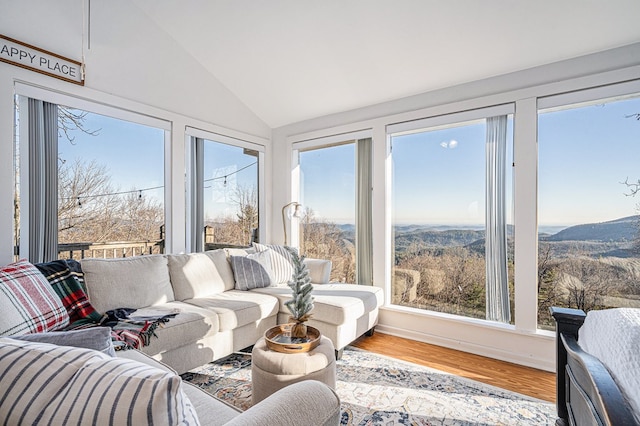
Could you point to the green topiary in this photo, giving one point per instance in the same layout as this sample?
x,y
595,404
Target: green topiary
x,y
301,304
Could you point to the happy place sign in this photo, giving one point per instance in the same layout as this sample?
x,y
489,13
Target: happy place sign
x,y
39,60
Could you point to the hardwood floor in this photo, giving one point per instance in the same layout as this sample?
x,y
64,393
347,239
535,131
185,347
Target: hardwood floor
x,y
525,380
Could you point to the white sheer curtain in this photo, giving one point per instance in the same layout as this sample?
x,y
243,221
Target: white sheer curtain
x,y
497,284
43,180
196,183
364,246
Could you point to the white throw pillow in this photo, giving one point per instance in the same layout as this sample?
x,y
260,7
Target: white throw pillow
x,y
28,303
49,384
282,268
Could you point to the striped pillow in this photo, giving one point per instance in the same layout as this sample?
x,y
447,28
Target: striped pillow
x,y
27,301
49,384
282,268
252,270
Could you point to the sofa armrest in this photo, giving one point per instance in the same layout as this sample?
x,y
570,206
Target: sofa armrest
x,y
319,270
304,403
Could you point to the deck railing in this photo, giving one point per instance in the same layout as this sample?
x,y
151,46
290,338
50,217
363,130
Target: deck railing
x,y
110,249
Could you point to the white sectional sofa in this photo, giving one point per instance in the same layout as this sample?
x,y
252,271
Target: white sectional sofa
x,y
214,318
51,374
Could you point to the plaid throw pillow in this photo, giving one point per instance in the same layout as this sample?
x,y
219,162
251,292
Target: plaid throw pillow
x,y
27,301
65,277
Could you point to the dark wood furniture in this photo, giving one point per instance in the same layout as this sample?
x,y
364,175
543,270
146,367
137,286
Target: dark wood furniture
x,y
586,394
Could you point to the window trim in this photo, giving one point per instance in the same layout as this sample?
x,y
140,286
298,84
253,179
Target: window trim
x,y
588,95
431,123
327,141
91,106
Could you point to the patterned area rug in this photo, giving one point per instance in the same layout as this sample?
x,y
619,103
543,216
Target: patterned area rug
x,y
378,390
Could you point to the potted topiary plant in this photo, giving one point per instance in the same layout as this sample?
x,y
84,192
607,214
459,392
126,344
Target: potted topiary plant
x,y
301,304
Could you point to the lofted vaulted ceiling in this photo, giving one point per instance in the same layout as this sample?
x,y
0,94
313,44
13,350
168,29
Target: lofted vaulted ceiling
x,y
291,60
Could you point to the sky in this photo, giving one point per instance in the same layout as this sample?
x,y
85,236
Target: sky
x,y
134,157
438,176
583,155
132,153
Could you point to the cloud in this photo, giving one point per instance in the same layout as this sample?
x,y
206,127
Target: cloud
x,y
452,144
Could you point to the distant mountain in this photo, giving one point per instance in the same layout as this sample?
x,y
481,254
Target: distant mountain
x,y
618,230
346,227
428,238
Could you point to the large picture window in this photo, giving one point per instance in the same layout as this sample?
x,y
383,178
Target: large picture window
x,y
89,185
335,192
224,188
588,206
452,222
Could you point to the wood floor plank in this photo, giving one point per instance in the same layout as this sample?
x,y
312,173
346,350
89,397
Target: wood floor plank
x,y
516,378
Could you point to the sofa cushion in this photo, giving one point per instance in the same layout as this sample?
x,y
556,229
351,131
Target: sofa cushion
x,y
51,384
190,325
252,270
96,338
282,268
334,303
319,270
132,282
27,302
236,308
197,274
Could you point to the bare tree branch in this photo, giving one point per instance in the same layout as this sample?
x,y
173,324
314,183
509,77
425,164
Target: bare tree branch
x,y
69,120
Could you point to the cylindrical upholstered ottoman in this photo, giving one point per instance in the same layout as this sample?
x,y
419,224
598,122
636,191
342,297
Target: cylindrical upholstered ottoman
x,y
271,370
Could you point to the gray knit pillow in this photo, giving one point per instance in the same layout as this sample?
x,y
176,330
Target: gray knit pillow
x,y
252,270
96,338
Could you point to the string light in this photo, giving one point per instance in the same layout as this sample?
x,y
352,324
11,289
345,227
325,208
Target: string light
x,y
230,174
140,191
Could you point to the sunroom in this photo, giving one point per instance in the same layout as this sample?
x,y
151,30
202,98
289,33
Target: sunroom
x,y
476,161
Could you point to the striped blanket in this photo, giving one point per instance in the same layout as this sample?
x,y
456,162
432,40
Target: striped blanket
x,y
127,330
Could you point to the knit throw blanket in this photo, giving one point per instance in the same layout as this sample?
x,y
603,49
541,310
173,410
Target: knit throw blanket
x,y
127,330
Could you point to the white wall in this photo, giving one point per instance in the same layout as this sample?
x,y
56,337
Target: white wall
x,y
132,65
522,343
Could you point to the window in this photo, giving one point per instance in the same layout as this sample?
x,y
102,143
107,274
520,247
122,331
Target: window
x,y
451,214
588,223
90,185
224,184
335,192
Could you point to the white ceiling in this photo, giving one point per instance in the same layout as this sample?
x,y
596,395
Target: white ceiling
x,y
291,60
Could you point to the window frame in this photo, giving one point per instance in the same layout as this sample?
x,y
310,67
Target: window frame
x,y
319,143
190,134
26,91
573,100
434,123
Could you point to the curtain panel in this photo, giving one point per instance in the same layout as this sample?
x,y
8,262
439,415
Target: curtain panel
x,y
43,180
497,283
364,228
